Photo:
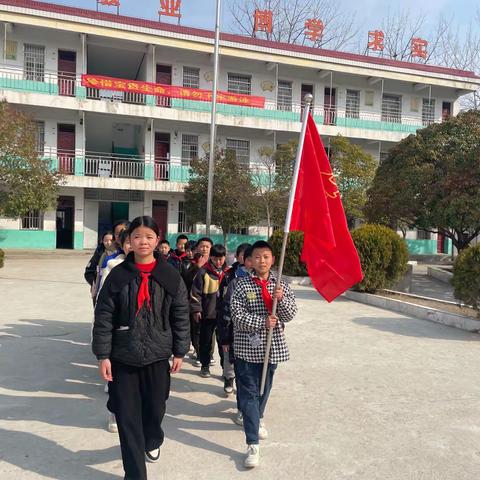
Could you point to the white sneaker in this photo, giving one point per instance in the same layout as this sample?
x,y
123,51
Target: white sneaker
x,y
112,423
213,362
238,419
262,431
253,456
198,363
153,455
105,388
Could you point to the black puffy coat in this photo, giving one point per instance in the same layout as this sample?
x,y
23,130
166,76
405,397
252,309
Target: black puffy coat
x,y
119,333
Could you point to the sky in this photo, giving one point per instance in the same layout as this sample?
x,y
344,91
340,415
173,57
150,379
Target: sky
x,y
201,13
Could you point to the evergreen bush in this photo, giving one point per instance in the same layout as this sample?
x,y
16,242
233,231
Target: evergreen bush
x,y
383,255
466,277
2,257
292,265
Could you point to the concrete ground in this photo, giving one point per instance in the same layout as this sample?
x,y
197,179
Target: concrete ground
x,y
427,286
368,394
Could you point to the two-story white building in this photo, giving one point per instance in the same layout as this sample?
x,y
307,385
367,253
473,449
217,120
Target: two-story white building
x,y
125,154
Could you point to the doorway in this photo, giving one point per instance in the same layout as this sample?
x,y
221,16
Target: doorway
x,y
162,155
306,90
160,215
330,106
66,148
446,110
65,221
67,72
164,77
109,213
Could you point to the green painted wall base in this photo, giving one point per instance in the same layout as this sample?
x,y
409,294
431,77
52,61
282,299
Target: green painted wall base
x,y
427,247
78,241
28,239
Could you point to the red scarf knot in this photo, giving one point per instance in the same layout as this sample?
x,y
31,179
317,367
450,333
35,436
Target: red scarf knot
x,y
219,274
266,295
143,291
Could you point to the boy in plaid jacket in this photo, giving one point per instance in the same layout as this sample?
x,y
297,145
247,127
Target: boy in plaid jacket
x,y
251,312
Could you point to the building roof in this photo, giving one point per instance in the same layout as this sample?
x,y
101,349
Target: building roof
x,y
228,37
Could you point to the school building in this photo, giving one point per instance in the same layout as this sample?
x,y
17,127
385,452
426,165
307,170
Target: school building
x,y
126,153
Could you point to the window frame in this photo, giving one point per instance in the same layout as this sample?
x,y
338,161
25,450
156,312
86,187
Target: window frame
x,y
34,62
240,158
33,221
191,79
238,88
352,105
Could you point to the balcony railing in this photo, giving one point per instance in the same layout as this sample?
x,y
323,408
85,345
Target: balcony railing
x,y
113,166
66,84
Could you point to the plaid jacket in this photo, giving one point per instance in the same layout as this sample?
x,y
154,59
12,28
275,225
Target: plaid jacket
x,y
248,316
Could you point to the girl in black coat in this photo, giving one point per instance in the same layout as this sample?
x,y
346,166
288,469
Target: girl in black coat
x,y
141,319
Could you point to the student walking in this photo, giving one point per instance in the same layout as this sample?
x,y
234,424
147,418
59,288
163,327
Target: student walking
x,y
203,305
240,269
251,309
141,319
92,266
178,256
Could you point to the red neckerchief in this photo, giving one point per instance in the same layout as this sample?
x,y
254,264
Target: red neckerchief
x,y
178,257
208,266
143,292
266,295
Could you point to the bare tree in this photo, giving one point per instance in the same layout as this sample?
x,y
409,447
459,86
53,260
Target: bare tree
x,y
460,49
289,17
400,27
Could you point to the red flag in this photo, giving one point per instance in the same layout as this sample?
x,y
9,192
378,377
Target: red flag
x,y
328,249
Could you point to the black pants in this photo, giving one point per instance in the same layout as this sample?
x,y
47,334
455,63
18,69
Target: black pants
x,y
207,331
195,334
137,397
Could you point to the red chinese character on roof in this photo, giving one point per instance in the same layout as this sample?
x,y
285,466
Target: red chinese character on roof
x,y
263,21
375,40
109,3
170,8
419,48
314,29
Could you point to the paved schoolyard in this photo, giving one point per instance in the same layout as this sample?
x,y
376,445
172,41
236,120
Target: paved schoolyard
x,y
368,394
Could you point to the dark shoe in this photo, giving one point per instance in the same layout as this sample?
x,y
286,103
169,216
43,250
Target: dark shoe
x,y
153,455
228,386
205,372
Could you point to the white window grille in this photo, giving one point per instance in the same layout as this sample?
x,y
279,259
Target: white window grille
x,y
423,235
285,94
189,148
40,126
352,107
238,83
428,111
32,221
183,225
34,62
191,77
241,150
392,108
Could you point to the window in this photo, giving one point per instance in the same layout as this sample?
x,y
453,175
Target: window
x,y
34,63
11,50
284,100
238,83
238,231
241,150
423,235
189,148
191,77
392,108
428,111
183,225
40,138
32,221
352,108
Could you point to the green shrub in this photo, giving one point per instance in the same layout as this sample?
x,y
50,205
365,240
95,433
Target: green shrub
x,y
466,276
383,255
2,257
292,265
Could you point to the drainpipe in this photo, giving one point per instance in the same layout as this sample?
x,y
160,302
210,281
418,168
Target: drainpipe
x,y
5,41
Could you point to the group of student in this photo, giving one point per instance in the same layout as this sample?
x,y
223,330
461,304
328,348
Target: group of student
x,y
152,303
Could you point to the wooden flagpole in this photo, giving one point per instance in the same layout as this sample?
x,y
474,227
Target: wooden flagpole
x,y
286,230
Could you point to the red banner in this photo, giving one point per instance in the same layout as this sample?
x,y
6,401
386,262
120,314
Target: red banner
x,y
172,91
